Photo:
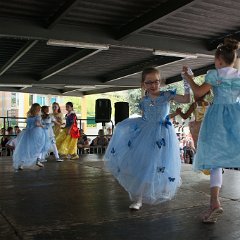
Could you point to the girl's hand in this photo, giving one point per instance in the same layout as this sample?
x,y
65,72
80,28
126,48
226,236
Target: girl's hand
x,y
187,72
178,110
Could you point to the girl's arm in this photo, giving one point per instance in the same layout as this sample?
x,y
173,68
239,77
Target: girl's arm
x,y
56,122
69,129
188,113
38,124
198,91
182,98
172,115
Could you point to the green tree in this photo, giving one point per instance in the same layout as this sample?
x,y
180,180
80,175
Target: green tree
x,y
76,103
134,97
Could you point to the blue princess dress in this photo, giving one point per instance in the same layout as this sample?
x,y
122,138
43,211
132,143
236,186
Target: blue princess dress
x,y
31,143
48,123
219,137
143,153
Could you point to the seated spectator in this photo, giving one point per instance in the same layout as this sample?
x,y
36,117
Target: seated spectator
x,y
188,152
12,143
83,142
100,142
16,130
5,138
109,133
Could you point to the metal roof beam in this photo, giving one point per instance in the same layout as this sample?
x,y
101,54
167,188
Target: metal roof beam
x,y
197,72
17,56
68,62
163,10
138,67
23,79
62,11
89,34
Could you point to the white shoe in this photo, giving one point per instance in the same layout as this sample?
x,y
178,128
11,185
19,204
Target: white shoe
x,y
39,164
59,160
135,205
43,160
20,168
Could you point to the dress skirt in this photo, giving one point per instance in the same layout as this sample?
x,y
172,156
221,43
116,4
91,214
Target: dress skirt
x,y
32,143
144,157
65,143
218,138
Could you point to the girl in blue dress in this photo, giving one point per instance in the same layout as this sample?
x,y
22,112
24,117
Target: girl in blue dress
x,y
31,142
218,143
143,153
48,121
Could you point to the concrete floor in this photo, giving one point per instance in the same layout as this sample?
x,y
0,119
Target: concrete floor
x,y
80,200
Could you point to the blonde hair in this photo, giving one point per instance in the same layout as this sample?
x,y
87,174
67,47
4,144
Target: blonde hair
x,y
33,110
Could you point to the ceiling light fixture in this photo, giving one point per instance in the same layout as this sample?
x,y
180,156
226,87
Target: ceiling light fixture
x,y
62,43
15,85
205,55
174,54
80,86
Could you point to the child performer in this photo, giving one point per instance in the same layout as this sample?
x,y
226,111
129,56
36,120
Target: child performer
x,y
31,143
218,143
48,122
67,140
143,153
198,108
57,114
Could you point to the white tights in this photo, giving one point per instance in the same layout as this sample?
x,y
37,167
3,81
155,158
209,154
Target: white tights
x,y
55,151
216,177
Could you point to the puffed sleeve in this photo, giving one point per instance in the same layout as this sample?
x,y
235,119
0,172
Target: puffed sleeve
x,y
170,94
53,119
211,77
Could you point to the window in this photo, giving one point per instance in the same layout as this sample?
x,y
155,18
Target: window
x,y
41,100
53,99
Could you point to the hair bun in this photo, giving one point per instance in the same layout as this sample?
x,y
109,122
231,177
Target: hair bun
x,y
231,44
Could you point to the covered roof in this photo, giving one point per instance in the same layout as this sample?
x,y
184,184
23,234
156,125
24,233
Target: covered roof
x,y
76,47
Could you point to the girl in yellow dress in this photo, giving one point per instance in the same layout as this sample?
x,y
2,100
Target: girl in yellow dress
x,y
66,140
57,114
198,108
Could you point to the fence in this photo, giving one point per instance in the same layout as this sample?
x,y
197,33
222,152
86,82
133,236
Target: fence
x,y
6,122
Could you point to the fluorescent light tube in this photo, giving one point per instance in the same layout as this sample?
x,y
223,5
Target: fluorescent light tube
x,y
205,55
174,54
79,86
14,85
62,43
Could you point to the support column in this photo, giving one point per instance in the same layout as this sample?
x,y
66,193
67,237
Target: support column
x,y
84,112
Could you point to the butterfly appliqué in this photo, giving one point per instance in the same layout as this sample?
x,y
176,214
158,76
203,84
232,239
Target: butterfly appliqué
x,y
113,151
160,169
161,143
171,179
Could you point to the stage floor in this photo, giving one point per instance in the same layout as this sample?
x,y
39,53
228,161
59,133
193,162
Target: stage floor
x,y
79,200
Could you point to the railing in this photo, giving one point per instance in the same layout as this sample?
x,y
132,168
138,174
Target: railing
x,y
6,122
